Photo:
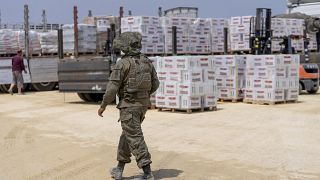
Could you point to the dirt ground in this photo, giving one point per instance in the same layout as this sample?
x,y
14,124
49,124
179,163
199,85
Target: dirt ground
x,y
50,135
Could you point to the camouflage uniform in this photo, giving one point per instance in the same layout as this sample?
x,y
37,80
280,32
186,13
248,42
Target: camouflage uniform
x,y
133,79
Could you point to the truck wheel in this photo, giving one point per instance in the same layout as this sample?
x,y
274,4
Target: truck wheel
x,y
82,96
44,86
2,90
313,91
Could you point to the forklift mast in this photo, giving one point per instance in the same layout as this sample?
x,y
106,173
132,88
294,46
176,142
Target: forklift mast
x,y
261,32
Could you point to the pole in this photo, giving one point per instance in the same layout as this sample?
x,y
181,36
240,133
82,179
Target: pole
x,y
174,40
44,20
160,11
75,28
318,41
120,16
26,36
225,34
60,43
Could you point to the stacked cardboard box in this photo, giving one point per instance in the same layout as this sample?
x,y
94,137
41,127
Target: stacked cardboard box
x,y
240,33
153,96
102,33
193,35
282,27
87,37
272,78
217,34
230,76
312,42
186,82
150,29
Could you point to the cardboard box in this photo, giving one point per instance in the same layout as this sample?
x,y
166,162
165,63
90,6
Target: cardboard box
x,y
160,100
209,101
291,94
173,102
190,89
191,102
170,88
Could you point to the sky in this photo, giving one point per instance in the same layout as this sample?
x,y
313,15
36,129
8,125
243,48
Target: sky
x,y
60,11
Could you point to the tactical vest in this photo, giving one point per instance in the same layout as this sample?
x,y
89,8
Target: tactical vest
x,y
138,82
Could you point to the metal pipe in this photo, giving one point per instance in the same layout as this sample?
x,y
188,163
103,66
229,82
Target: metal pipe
x,y
26,31
318,41
120,16
75,28
174,40
225,34
60,43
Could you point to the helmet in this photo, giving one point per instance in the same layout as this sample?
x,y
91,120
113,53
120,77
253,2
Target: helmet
x,y
128,42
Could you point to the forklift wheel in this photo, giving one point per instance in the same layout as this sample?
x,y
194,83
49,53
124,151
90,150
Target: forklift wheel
x,y
313,91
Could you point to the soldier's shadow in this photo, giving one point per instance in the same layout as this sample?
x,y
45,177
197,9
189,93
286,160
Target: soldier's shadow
x,y
161,174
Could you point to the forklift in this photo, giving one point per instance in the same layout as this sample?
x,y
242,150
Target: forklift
x,y
261,43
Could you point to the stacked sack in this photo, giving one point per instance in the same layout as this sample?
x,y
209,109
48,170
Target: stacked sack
x,y
186,82
230,76
150,29
87,38
217,34
193,35
240,33
48,42
34,41
8,42
272,78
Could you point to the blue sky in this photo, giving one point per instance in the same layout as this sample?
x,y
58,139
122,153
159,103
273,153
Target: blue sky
x,y
60,11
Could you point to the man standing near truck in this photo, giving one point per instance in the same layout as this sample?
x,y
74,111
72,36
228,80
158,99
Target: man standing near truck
x,y
17,68
133,79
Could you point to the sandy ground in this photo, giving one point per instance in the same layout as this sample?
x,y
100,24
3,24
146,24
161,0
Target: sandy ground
x,y
49,135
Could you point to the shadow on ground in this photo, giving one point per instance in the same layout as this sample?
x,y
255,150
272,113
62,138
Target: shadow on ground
x,y
161,174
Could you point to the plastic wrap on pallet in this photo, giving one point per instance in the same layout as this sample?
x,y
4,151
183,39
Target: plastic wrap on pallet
x,y
8,42
87,38
186,82
230,76
217,34
240,33
150,29
34,41
49,42
193,35
272,78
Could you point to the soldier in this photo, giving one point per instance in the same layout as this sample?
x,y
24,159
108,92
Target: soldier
x,y
133,79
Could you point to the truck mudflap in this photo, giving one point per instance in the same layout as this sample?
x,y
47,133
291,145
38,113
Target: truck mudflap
x,y
83,76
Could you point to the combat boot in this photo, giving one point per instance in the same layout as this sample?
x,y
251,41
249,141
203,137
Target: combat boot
x,y
147,174
116,172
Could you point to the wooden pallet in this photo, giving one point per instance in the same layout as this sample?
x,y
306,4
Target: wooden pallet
x,y
49,54
261,102
218,53
187,111
152,107
80,53
236,100
8,55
